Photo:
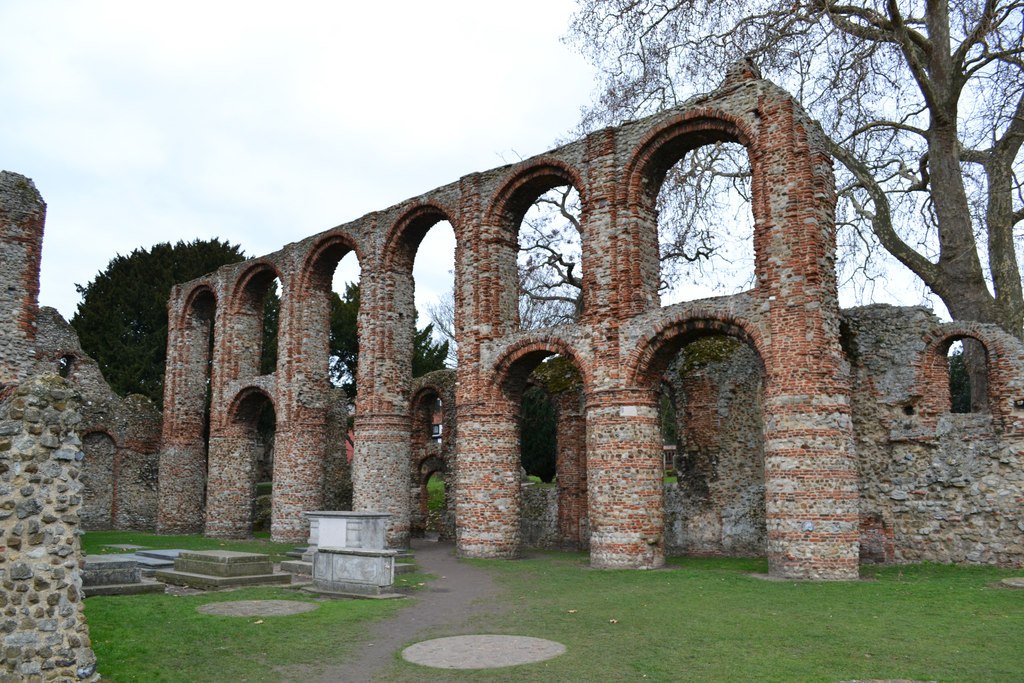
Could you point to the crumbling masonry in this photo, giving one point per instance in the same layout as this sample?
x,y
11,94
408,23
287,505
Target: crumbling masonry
x,y
120,435
622,346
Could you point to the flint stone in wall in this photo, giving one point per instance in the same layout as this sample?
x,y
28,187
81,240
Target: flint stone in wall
x,y
43,553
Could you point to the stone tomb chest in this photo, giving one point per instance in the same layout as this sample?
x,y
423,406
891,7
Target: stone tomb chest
x,y
348,553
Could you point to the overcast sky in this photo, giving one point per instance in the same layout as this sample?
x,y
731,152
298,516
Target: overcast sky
x,y
143,122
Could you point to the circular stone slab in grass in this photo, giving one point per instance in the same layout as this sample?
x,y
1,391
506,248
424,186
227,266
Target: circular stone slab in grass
x,y
257,608
481,652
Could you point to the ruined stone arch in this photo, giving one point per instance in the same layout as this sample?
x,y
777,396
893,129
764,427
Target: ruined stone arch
x,y
199,301
518,360
99,478
404,237
231,467
322,258
654,351
504,214
643,175
245,310
430,455
1004,383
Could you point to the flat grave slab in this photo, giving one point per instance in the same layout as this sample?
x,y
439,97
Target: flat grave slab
x,y
162,553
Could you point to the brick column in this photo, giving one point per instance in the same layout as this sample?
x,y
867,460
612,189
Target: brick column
x,y
299,450
624,480
380,471
22,215
489,503
182,465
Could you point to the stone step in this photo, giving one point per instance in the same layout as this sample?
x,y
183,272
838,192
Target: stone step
x,y
405,567
124,589
208,582
297,567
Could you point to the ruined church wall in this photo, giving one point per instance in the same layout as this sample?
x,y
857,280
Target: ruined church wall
x,y
42,620
120,478
935,486
121,435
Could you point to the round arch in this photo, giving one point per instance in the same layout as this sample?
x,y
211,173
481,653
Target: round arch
x,y
200,300
525,183
256,276
405,234
655,350
323,256
517,361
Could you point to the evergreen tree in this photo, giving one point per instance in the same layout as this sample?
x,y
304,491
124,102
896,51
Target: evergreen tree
x,y
122,318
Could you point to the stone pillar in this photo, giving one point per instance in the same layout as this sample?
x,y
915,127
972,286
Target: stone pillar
x,y
380,471
489,503
232,483
299,451
182,464
811,496
44,628
624,480
22,215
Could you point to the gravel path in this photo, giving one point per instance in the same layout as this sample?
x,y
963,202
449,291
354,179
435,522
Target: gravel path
x,y
459,592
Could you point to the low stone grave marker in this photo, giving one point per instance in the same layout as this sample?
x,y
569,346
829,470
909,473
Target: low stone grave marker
x,y
115,575
211,569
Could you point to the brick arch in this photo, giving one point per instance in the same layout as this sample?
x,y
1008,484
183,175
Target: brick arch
x,y
502,217
526,182
323,257
404,237
932,370
255,276
655,350
244,406
231,471
643,175
514,365
669,142
193,298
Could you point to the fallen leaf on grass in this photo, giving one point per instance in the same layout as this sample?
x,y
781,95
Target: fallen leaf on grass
x,y
258,621
613,621
572,611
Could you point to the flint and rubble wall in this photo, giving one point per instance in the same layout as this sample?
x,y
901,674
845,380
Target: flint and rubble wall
x,y
42,622
120,477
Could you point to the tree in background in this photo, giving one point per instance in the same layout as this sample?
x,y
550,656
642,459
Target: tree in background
x,y
428,355
122,318
922,103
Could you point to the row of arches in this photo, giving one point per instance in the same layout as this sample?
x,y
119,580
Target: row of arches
x,y
620,344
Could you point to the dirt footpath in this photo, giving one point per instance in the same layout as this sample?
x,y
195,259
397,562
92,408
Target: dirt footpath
x,y
459,593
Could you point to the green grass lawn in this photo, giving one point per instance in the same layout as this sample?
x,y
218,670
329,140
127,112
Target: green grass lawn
x,y
699,620
709,620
